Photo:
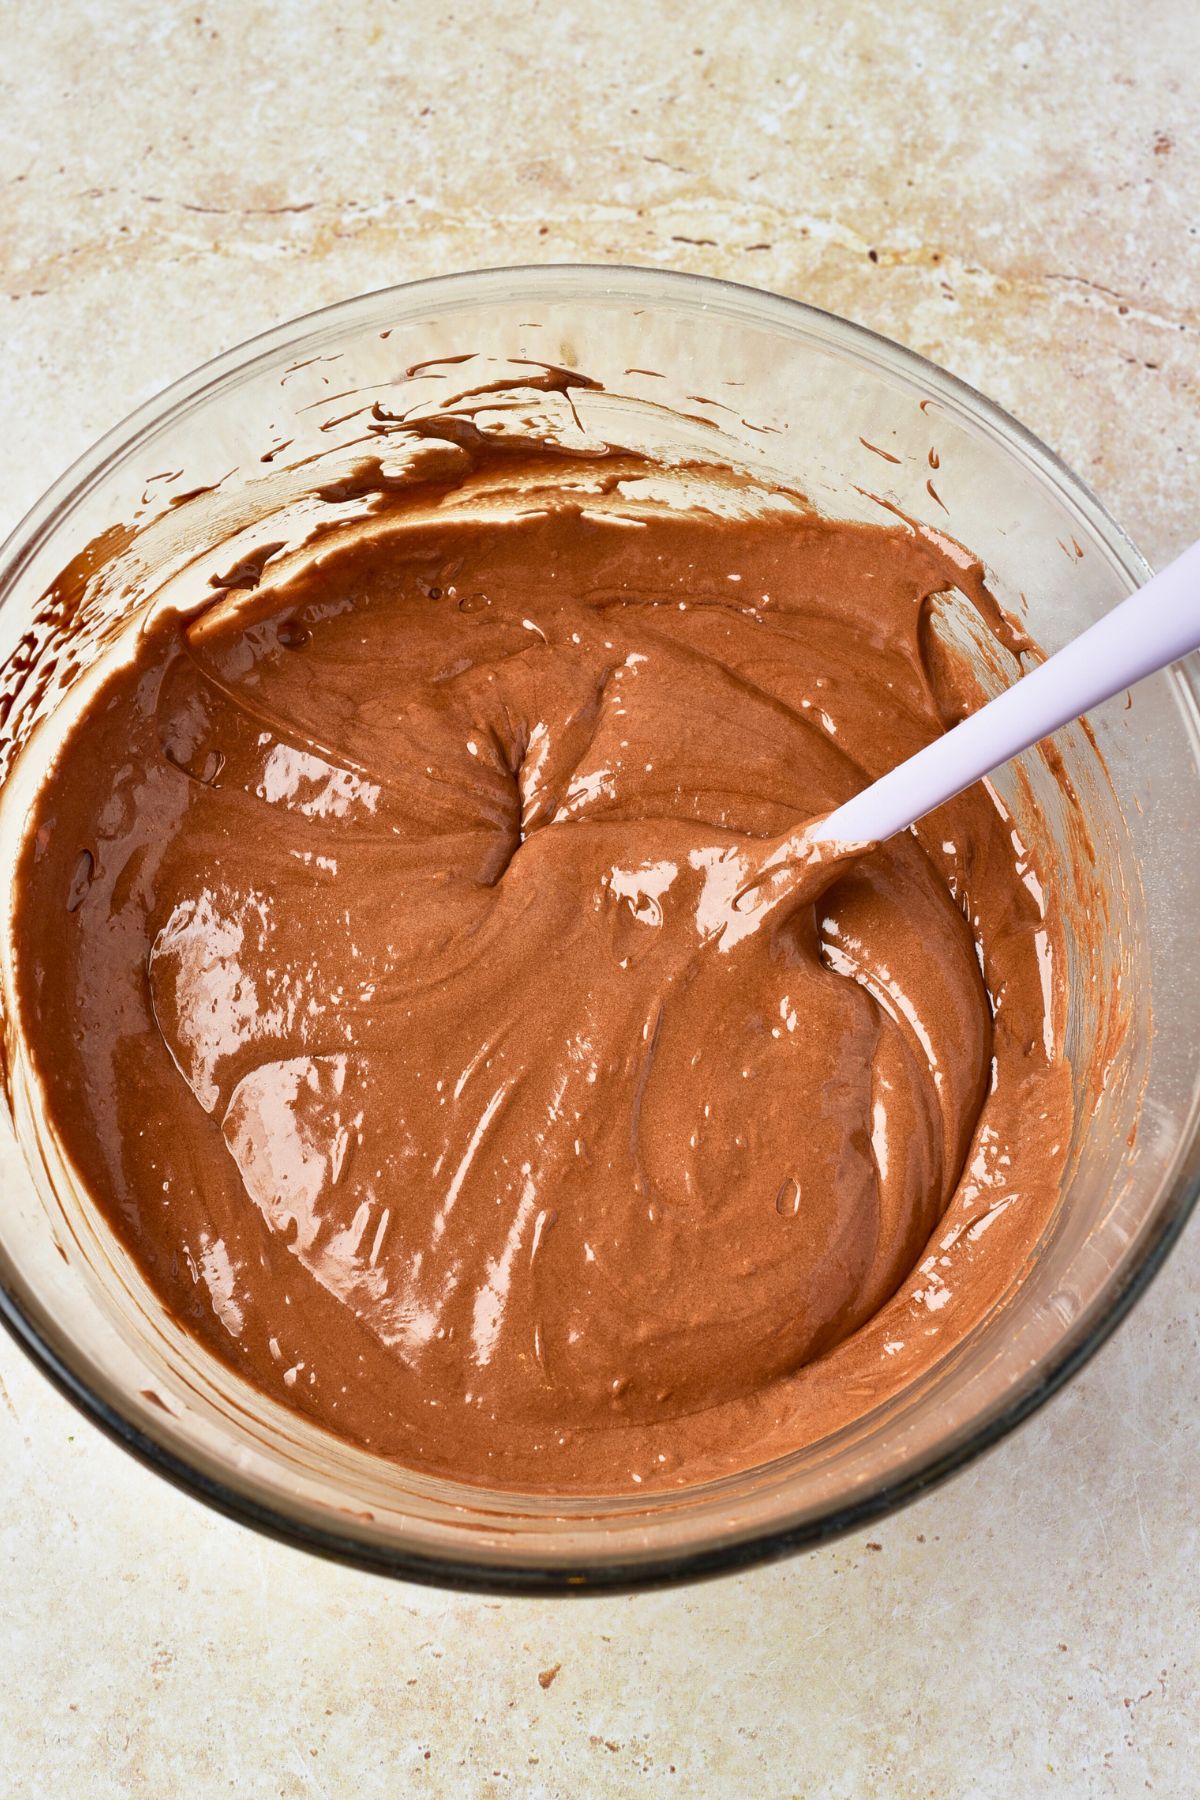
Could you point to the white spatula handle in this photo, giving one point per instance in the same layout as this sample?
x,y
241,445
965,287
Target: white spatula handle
x,y
1157,624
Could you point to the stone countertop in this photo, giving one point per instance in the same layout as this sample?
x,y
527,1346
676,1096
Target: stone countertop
x,y
1014,190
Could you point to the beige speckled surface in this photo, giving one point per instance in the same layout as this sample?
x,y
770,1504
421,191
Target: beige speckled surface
x,y
1015,191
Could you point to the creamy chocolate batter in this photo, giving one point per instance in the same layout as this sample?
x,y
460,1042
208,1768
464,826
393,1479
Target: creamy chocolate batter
x,y
429,981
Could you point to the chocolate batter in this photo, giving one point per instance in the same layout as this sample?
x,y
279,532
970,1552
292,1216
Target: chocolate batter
x,y
429,980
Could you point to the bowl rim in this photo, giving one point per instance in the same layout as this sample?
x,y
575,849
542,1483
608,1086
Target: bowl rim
x,y
608,281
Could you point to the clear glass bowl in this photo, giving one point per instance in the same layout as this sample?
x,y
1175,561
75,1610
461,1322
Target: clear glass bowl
x,y
688,365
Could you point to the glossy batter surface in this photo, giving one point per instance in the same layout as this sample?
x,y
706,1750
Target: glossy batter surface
x,y
426,978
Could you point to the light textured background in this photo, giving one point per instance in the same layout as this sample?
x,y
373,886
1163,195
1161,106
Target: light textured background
x,y
1015,191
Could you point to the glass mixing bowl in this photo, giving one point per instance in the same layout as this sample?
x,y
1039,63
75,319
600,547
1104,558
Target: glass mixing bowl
x,y
689,367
